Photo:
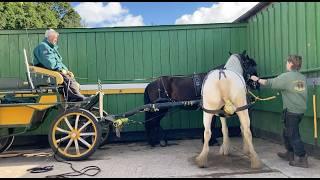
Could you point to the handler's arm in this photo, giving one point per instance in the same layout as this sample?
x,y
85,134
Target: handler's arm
x,y
257,79
279,83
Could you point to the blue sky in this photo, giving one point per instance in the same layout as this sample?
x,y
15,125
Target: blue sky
x,y
161,13
104,14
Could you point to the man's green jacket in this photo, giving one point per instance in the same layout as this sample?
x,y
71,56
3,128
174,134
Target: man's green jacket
x,y
47,55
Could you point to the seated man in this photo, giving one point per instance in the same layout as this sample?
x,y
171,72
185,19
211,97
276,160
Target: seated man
x,y
46,55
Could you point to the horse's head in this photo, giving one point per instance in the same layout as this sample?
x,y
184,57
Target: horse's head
x,y
249,67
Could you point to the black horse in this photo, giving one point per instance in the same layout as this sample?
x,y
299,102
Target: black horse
x,y
170,89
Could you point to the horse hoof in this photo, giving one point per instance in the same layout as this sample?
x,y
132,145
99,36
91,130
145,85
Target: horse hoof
x,y
152,144
224,150
256,164
201,162
163,143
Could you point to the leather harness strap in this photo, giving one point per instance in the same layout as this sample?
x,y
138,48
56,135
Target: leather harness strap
x,y
221,71
222,113
197,84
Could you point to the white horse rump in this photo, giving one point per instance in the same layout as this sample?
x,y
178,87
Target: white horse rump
x,y
227,89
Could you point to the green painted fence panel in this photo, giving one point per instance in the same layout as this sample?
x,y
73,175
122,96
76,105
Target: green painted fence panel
x,y
281,29
5,55
142,52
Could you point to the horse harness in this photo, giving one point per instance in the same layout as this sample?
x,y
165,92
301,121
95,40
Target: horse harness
x,y
197,85
160,99
221,71
223,112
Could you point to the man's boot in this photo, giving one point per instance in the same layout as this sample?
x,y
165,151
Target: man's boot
x,y
288,156
300,161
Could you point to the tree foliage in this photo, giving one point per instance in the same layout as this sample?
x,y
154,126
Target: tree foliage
x,y
21,15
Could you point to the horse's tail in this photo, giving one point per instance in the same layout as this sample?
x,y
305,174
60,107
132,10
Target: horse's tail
x,y
223,86
146,96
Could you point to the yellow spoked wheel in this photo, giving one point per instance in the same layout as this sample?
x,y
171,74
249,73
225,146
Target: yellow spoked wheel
x,y
75,135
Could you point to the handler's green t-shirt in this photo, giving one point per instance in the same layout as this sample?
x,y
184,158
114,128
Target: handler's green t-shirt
x,y
293,88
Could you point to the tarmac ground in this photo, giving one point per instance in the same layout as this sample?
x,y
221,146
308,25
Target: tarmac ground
x,y
137,159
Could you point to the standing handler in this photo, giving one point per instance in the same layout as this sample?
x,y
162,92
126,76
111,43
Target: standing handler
x,y
292,85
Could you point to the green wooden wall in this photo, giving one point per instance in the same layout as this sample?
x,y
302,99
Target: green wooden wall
x,y
274,33
117,54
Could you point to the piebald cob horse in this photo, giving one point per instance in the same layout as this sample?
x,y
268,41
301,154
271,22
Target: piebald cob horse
x,y
227,88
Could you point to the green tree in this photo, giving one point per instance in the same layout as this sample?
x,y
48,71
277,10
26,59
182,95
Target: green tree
x,y
20,15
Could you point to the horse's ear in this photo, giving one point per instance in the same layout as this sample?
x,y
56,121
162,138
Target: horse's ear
x,y
247,57
230,53
244,52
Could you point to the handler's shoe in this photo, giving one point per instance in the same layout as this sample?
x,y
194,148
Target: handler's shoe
x,y
288,156
300,161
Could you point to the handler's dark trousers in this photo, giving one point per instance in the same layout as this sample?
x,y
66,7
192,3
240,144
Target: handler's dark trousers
x,y
291,133
71,90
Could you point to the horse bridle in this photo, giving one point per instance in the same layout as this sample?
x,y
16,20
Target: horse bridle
x,y
248,76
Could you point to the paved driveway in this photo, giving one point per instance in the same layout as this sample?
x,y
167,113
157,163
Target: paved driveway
x,y
176,160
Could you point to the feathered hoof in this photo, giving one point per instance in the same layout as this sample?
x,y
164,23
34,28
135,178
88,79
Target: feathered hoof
x,y
256,164
163,143
224,150
202,162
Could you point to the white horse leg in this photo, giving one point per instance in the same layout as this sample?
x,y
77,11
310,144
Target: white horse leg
x,y
225,147
245,147
245,123
202,158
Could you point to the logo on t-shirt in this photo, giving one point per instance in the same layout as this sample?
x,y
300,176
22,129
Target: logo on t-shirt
x,y
299,86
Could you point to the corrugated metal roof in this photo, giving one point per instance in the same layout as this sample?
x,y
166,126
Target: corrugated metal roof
x,y
252,12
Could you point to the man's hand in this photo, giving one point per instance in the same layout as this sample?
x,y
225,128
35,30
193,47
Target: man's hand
x,y
64,72
70,74
254,78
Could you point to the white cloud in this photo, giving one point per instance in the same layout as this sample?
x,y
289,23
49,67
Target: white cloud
x,y
221,12
98,14
129,20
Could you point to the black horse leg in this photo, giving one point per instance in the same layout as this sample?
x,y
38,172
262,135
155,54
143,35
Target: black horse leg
x,y
163,138
154,131
149,128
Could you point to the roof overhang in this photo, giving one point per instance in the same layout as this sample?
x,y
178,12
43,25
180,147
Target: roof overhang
x,y
253,11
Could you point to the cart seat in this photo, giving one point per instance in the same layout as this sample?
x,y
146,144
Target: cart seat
x,y
13,84
44,77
